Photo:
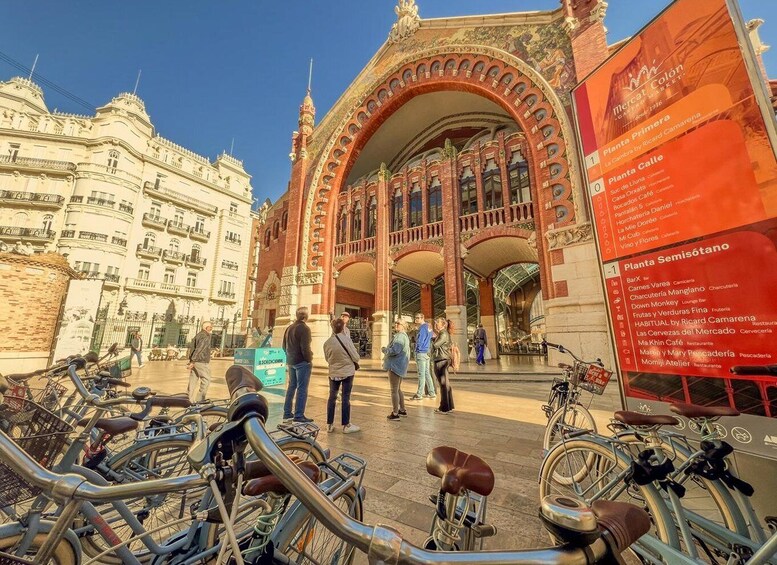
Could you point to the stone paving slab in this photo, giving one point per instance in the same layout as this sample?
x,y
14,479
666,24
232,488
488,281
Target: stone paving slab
x,y
502,423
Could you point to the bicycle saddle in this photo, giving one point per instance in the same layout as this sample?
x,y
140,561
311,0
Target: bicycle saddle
x,y
694,411
263,481
174,401
459,471
112,426
637,419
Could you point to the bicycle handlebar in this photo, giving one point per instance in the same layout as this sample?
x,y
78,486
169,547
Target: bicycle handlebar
x,y
562,349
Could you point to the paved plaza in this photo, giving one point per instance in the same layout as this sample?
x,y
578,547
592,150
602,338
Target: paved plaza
x,y
498,419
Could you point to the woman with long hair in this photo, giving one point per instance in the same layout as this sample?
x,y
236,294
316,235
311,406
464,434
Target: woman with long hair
x,y
441,349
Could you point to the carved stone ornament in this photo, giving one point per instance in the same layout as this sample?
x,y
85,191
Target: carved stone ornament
x,y
408,21
335,274
568,236
310,278
570,24
531,241
598,12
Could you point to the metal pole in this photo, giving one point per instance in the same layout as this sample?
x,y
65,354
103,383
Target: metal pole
x,y
151,334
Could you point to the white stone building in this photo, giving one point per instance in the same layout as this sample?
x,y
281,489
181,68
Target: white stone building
x,y
166,229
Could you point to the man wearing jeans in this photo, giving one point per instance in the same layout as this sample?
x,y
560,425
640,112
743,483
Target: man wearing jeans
x,y
299,357
422,341
198,365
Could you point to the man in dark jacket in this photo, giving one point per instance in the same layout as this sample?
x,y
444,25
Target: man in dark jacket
x,y
198,365
136,346
480,341
299,357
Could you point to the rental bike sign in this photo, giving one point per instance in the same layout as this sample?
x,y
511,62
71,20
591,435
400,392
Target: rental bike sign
x,y
678,136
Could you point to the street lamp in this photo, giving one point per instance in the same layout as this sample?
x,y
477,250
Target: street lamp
x,y
122,306
234,328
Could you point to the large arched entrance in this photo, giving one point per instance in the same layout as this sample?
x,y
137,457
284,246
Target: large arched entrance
x,y
440,150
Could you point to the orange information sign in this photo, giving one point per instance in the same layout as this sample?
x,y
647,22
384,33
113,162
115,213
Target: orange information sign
x,y
682,181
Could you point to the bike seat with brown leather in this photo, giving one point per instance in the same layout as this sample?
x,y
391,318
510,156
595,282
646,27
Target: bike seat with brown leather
x,y
694,411
637,419
173,401
19,377
113,426
459,471
625,522
268,482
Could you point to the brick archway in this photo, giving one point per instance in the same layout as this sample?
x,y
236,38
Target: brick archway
x,y
493,74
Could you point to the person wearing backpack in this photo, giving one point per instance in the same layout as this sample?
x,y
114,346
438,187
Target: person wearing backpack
x,y
442,352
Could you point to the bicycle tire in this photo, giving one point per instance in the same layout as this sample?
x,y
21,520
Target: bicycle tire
x,y
64,553
576,416
144,463
646,496
312,452
307,542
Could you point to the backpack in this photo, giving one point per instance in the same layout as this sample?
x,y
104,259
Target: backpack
x,y
455,358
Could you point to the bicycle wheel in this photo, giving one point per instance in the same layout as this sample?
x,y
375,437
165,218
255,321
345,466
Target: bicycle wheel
x,y
305,541
704,501
574,416
305,451
593,471
64,552
155,460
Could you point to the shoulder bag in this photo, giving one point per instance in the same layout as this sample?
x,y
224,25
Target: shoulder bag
x,y
348,353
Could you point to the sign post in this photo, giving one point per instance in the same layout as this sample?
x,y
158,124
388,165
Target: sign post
x,y
682,183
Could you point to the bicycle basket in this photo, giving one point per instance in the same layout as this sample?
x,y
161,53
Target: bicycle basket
x,y
49,396
41,434
590,377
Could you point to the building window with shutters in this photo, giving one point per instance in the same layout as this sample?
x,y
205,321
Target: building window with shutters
x,y
113,161
396,211
435,200
342,226
372,217
520,185
356,231
492,186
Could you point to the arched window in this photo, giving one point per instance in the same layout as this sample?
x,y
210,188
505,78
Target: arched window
x,y
469,192
518,171
113,161
342,226
149,240
492,186
284,221
48,219
196,252
435,200
372,217
396,211
276,228
356,225
20,220
174,245
416,207
267,236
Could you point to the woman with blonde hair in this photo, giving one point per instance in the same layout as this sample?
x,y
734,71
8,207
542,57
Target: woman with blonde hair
x,y
441,349
396,361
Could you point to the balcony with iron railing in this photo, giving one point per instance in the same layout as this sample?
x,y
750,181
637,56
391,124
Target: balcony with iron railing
x,y
13,233
102,202
171,256
67,234
92,236
230,265
234,240
154,221
163,193
195,262
31,199
126,208
513,214
36,165
144,285
149,251
178,228
109,280
119,241
199,234
226,295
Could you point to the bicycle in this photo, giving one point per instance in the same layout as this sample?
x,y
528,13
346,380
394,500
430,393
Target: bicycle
x,y
584,538
564,409
639,460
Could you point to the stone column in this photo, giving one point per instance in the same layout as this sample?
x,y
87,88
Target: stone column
x,y
381,318
455,300
427,301
488,313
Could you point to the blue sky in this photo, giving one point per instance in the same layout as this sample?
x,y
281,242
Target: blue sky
x,y
214,71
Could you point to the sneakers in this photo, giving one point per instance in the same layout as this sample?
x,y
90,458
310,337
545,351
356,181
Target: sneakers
x,y
393,417
351,429
141,366
330,428
438,411
302,420
416,397
430,396
403,413
288,420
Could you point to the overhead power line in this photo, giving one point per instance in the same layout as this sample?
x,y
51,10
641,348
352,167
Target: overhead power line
x,y
38,78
